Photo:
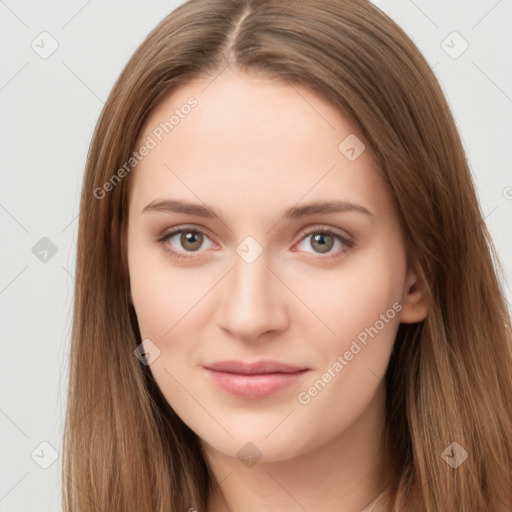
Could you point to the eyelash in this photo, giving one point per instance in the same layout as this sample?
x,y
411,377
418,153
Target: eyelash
x,y
347,242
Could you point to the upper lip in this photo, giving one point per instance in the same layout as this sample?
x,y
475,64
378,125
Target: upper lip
x,y
256,368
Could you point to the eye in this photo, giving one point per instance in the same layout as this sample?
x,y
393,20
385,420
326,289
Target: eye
x,y
190,239
322,240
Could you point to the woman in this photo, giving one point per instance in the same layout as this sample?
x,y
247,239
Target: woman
x,y
285,290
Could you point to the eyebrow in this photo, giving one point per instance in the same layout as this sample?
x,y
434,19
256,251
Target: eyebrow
x,y
292,213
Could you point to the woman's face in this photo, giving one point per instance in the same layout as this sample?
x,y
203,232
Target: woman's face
x,y
267,277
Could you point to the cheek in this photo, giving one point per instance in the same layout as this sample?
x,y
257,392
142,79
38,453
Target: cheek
x,y
362,292
362,306
363,310
162,293
164,298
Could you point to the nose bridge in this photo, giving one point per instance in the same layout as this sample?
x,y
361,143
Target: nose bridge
x,y
251,304
250,280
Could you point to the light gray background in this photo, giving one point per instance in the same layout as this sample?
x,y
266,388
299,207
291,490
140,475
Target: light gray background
x,y
49,108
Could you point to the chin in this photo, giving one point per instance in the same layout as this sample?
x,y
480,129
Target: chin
x,y
248,445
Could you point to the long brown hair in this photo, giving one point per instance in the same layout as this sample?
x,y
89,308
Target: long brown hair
x,y
449,379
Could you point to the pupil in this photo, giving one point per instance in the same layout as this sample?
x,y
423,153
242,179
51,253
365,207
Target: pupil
x,y
324,246
191,237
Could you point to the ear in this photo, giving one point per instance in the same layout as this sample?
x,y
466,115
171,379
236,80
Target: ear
x,y
415,297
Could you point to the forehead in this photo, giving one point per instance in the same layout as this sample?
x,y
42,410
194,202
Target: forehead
x,y
254,142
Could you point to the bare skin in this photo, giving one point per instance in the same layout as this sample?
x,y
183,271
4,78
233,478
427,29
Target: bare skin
x,y
250,149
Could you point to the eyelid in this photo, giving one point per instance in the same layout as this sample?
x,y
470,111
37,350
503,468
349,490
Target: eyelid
x,y
185,227
322,228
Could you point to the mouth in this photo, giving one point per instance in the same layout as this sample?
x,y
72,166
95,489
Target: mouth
x,y
254,380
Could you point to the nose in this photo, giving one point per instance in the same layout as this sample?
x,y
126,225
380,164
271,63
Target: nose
x,y
252,301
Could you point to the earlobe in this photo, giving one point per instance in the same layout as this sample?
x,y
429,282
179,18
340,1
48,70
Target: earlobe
x,y
415,298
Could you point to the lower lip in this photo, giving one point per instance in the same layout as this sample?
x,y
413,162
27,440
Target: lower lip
x,y
254,386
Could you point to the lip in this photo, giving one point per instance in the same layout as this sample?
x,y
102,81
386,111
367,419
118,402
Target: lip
x,y
254,380
256,368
